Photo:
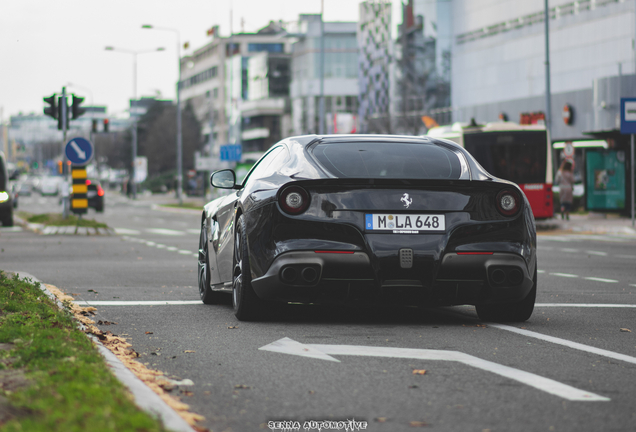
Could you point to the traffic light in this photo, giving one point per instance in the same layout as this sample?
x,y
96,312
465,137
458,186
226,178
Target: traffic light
x,y
60,167
51,110
94,128
106,122
75,108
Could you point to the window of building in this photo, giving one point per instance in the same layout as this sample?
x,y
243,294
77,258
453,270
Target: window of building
x,y
269,47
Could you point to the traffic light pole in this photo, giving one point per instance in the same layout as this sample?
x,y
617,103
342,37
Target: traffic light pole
x,y
64,118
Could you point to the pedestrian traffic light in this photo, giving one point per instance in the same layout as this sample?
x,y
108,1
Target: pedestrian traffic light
x,y
106,123
94,128
75,108
51,110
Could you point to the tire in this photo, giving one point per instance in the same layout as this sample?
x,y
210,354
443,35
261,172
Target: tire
x,y
7,219
510,312
247,305
208,296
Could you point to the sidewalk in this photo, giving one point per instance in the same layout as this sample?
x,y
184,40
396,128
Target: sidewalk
x,y
595,223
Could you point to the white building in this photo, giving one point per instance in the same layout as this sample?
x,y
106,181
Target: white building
x,y
499,53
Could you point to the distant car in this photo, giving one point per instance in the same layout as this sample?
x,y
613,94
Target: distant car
x,y
6,194
369,218
24,189
95,194
50,186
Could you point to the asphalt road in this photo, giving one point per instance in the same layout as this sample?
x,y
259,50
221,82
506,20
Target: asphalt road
x,y
569,368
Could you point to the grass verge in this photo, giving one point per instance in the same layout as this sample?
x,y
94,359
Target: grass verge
x,y
185,205
57,219
51,376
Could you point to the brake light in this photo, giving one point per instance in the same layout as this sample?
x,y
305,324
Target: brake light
x,y
100,191
508,202
88,182
293,200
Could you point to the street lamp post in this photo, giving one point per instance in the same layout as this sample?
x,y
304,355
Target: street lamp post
x,y
179,137
133,186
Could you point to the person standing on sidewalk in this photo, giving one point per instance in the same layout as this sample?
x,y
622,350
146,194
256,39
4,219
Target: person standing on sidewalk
x,y
565,180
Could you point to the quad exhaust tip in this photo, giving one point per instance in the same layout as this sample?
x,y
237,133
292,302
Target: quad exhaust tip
x,y
506,276
299,274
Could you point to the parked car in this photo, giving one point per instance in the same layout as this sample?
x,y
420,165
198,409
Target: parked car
x,y
95,194
6,194
347,218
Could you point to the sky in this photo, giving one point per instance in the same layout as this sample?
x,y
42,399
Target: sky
x,y
48,44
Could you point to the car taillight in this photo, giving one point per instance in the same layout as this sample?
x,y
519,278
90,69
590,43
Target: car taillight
x,y
100,191
508,202
293,200
88,182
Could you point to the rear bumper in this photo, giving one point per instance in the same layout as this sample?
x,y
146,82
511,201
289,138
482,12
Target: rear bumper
x,y
307,276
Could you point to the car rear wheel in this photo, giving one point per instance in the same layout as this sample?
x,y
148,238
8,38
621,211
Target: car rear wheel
x,y
208,296
247,305
510,312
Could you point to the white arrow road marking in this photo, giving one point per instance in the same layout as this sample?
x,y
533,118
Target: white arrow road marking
x,y
565,342
289,346
78,150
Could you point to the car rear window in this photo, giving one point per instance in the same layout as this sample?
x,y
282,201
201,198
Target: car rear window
x,y
388,160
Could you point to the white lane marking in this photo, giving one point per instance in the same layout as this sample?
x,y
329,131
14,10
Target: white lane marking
x,y
193,231
585,305
626,256
596,253
160,246
185,252
601,280
11,229
567,275
172,248
540,271
136,303
165,231
149,243
196,255
565,342
570,250
289,346
126,231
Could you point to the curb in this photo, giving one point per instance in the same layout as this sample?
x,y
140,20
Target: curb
x,y
145,398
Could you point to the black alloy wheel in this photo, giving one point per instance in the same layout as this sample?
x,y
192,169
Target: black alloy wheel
x,y
247,305
208,296
510,312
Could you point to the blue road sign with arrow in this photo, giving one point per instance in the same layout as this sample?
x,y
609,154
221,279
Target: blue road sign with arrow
x,y
79,151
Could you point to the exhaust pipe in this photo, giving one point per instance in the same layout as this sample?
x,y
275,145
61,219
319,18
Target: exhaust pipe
x,y
309,274
498,276
288,274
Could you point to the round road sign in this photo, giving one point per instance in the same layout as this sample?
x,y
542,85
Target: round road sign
x,y
79,151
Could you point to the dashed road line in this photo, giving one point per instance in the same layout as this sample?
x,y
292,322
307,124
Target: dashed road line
x,y
601,280
585,305
567,275
596,253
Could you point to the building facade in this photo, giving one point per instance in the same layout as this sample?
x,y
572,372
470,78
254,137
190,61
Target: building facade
x,y
214,80
499,62
339,82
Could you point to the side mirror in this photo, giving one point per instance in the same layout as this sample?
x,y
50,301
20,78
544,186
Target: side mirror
x,y
223,179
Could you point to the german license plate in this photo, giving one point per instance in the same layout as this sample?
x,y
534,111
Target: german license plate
x,y
405,224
